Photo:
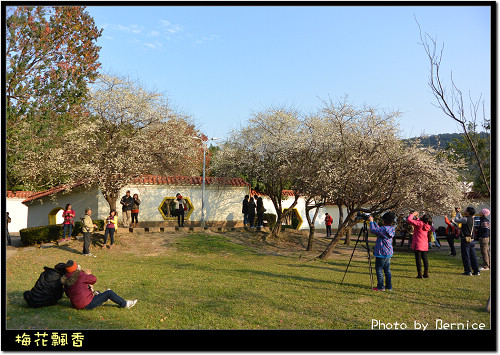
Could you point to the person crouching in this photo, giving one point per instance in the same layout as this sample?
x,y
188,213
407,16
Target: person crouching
x,y
78,287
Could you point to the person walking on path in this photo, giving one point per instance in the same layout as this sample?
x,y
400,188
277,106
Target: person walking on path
x,y
7,221
87,229
181,208
127,201
420,241
251,212
483,234
135,210
78,286
111,223
69,222
244,210
328,223
383,250
467,244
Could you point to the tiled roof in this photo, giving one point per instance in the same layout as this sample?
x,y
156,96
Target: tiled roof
x,y
53,190
151,180
288,193
188,180
18,194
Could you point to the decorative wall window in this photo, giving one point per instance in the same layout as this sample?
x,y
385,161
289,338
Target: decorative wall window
x,y
293,219
55,216
168,208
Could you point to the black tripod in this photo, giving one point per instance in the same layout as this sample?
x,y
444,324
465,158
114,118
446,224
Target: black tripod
x,y
364,232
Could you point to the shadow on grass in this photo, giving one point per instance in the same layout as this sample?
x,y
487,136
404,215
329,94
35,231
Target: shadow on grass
x,y
68,249
282,276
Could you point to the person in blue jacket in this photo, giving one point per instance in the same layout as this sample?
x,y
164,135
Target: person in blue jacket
x,y
383,250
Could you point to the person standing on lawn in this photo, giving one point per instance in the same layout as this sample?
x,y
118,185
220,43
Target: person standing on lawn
x,y
467,244
383,250
452,233
111,223
69,222
135,210
260,211
78,286
7,221
87,229
251,212
127,201
244,210
181,205
483,234
328,224
420,241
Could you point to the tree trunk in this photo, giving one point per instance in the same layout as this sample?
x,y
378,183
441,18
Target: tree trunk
x,y
111,198
280,215
312,229
348,232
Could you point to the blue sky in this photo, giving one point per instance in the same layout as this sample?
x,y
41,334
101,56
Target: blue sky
x,y
220,64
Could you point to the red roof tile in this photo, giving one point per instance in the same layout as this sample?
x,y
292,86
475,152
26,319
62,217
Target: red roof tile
x,y
284,193
19,194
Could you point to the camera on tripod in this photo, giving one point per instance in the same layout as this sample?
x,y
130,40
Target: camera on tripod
x,y
363,216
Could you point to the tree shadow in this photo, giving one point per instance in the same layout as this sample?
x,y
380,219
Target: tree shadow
x,y
68,249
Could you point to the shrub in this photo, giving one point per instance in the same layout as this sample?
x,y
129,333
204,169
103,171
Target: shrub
x,y
43,234
51,233
271,219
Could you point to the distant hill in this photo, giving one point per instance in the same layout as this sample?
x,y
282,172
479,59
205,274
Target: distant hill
x,y
437,141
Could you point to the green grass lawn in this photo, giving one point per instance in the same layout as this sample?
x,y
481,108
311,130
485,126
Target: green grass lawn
x,y
198,281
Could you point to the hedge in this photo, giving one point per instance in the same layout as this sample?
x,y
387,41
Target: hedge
x,y
271,219
51,233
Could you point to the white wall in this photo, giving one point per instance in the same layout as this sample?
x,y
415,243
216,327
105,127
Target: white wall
x,y
18,214
301,208
222,203
79,198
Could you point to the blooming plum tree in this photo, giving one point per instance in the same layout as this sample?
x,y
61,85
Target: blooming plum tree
x,y
128,131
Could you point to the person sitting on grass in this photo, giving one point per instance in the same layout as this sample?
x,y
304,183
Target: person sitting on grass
x,y
383,250
78,287
48,288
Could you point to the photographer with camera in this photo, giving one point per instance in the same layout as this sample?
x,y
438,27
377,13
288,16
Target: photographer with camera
x,y
383,250
78,286
420,241
467,244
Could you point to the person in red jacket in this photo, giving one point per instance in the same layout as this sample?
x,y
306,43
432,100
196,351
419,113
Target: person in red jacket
x,y
78,288
69,223
328,223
